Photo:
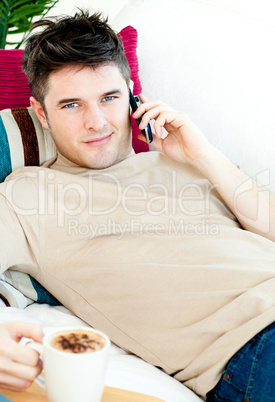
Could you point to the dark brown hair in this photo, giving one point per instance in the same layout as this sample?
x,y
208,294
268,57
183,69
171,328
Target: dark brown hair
x,y
82,39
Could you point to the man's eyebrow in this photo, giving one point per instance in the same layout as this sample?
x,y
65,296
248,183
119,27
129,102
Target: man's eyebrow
x,y
112,92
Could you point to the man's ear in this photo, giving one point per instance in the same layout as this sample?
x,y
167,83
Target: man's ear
x,y
39,112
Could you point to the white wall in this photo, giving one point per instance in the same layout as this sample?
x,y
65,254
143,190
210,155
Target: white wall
x,y
261,10
258,9
108,7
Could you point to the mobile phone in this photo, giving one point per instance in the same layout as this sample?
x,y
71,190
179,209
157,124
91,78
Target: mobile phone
x,y
134,103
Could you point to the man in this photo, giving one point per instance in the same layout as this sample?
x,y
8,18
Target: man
x,y
149,248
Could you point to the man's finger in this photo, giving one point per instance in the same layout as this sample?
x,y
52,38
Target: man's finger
x,y
17,374
20,329
13,383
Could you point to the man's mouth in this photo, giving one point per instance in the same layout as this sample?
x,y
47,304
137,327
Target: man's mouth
x,y
99,142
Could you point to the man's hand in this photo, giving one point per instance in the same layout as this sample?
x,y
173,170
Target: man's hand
x,y
19,365
252,204
184,143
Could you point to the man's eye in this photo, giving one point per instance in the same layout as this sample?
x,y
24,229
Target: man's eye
x,y
71,105
108,98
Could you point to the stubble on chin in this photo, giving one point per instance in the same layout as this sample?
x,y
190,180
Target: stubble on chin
x,y
106,160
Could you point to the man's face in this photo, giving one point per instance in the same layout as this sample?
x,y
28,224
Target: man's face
x,y
87,113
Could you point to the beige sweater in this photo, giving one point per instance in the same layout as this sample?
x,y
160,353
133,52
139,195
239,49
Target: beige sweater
x,y
147,252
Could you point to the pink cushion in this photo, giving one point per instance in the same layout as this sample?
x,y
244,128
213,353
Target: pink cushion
x,y
129,37
15,91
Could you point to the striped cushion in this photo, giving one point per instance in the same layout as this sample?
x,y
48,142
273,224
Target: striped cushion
x,y
23,141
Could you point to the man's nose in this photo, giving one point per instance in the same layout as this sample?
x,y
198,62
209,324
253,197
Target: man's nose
x,y
95,119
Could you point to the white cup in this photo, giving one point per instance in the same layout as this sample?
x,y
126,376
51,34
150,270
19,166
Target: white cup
x,y
73,377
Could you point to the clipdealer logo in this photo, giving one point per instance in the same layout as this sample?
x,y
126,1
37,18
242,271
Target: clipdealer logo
x,y
103,194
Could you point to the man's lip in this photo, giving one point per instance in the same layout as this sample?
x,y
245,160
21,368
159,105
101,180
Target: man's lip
x,y
98,142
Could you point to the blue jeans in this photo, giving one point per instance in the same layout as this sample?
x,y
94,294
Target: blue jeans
x,y
250,374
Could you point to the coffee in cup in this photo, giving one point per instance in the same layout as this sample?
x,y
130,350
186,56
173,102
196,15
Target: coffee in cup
x,y
79,341
74,362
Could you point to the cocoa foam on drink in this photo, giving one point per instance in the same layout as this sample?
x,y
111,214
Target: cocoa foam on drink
x,y
78,341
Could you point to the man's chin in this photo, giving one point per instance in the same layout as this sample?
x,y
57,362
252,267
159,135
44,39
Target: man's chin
x,y
103,163
104,158
108,160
